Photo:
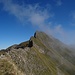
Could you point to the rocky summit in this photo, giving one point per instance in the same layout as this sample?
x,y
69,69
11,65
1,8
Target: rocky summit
x,y
40,55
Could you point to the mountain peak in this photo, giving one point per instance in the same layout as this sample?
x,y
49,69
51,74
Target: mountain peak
x,y
37,33
40,55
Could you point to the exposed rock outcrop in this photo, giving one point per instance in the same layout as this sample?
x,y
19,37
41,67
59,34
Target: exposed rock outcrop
x,y
41,55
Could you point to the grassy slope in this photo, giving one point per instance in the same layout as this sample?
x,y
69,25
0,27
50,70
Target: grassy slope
x,y
33,62
7,67
48,63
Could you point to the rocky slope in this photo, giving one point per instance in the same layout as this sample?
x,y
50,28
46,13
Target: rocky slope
x,y
41,55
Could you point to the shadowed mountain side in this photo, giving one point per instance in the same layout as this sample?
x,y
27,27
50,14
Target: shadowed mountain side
x,y
41,55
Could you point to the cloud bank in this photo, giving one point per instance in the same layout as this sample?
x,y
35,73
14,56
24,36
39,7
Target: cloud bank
x,y
73,18
34,14
73,15
58,2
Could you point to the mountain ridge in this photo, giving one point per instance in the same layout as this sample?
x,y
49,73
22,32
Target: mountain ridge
x,y
40,55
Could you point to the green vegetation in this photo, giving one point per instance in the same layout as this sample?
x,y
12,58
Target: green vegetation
x,y
66,70
47,61
41,55
6,68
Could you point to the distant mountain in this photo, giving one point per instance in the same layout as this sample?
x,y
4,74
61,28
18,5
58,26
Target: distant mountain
x,y
41,55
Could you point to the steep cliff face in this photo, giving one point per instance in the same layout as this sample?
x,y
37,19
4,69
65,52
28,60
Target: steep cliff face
x,y
41,55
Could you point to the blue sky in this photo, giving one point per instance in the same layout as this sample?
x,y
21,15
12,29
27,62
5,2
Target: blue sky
x,y
19,19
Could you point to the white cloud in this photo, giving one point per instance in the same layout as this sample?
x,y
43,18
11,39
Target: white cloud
x,y
73,15
58,2
34,14
56,30
59,29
